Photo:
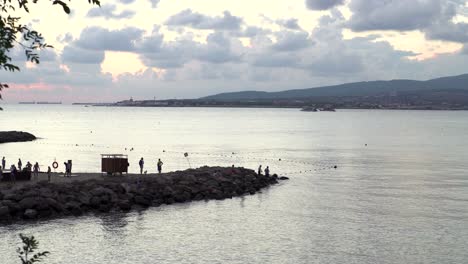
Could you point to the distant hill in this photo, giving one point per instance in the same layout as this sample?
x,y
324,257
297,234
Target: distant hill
x,y
455,84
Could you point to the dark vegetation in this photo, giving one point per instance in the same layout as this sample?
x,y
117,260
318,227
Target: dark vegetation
x,y
27,253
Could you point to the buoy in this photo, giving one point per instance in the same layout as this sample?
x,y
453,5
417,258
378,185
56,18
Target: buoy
x,y
55,165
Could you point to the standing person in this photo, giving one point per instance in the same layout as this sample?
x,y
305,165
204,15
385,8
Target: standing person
x,y
267,171
28,166
142,164
66,169
36,170
3,163
160,163
20,164
49,171
260,170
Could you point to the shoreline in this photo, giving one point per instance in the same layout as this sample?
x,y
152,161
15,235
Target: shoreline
x,y
88,193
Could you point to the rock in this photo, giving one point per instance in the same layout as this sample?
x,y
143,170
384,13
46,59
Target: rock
x,y
15,136
12,206
53,204
41,199
101,191
4,212
30,214
95,201
140,200
182,197
105,208
74,208
284,178
124,205
28,203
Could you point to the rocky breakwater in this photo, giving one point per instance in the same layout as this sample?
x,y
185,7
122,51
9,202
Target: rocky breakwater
x,y
124,193
15,136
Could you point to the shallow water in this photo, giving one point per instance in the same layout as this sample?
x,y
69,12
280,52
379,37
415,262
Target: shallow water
x,y
400,199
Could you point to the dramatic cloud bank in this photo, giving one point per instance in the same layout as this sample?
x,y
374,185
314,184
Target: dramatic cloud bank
x,y
142,49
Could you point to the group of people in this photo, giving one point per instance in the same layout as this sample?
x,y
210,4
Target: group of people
x,y
14,170
159,165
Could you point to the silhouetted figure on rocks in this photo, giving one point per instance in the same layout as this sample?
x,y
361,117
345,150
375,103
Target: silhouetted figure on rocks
x,y
267,171
67,169
49,171
142,165
20,164
3,163
36,170
260,170
160,164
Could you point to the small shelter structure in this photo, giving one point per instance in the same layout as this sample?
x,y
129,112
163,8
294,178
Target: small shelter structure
x,y
114,163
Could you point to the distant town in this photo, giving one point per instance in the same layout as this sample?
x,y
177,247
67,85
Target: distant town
x,y
370,102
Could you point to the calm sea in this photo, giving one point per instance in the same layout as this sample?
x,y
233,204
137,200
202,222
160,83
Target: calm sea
x,y
402,198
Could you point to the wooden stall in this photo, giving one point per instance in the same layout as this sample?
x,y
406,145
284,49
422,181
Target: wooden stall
x,y
114,163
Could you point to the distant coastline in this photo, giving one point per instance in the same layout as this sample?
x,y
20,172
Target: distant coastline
x,y
294,104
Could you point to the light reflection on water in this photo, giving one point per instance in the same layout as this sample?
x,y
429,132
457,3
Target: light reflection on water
x,y
401,199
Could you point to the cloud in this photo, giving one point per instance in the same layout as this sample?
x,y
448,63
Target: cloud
x,y
108,11
291,23
323,4
199,21
393,15
154,3
464,50
448,30
65,38
289,41
71,54
218,49
276,60
98,38
126,2
251,32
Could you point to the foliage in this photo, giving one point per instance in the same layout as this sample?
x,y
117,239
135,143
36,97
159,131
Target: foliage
x,y
30,244
13,33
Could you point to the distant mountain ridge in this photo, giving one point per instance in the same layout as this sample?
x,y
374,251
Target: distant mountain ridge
x,y
371,88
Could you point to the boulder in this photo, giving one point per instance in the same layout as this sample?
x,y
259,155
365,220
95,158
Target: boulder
x,y
124,205
53,204
4,212
28,202
140,200
30,214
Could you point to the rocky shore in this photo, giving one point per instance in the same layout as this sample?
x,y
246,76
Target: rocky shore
x,y
43,200
15,136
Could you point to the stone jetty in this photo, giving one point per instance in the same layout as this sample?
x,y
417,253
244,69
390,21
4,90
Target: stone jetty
x,y
15,136
43,200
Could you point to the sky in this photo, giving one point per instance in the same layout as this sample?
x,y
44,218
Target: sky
x,y
167,49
